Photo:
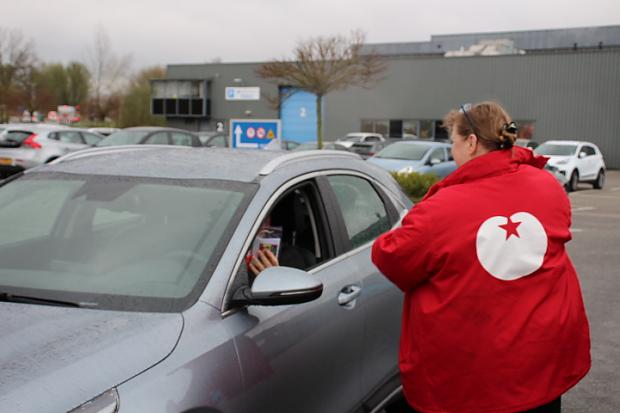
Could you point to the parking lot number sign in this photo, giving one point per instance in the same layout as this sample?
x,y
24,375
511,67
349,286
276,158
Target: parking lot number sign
x,y
254,133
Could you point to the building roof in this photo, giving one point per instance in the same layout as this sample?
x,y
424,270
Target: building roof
x,y
531,40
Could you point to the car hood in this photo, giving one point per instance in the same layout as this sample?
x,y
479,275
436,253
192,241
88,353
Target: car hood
x,y
395,164
345,144
555,159
56,358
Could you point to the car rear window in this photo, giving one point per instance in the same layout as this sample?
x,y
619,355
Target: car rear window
x,y
16,136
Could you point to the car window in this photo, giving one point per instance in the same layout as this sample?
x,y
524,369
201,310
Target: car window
x,y
91,138
158,138
69,137
588,150
16,136
298,218
438,153
371,139
364,213
404,150
219,141
180,138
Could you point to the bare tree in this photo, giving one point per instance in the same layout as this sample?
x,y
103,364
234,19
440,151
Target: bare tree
x,y
108,72
325,64
16,61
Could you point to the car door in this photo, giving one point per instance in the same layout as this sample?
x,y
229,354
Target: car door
x,y
443,167
305,357
364,212
589,161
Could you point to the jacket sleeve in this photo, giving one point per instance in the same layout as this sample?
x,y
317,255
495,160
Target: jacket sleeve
x,y
403,254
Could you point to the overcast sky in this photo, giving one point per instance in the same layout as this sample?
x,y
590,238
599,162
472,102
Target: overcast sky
x,y
158,32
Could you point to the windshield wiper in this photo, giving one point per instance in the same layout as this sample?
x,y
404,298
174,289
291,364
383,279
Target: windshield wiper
x,y
13,298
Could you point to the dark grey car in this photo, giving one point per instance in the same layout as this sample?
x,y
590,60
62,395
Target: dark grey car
x,y
123,283
151,135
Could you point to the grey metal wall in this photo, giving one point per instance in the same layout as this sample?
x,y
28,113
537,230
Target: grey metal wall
x,y
574,95
570,95
220,76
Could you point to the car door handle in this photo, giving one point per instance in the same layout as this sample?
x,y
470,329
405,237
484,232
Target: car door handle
x,y
348,294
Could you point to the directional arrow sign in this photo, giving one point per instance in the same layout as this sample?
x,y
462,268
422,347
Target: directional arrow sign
x,y
254,133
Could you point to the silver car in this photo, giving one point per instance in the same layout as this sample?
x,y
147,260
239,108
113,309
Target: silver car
x,y
24,146
124,288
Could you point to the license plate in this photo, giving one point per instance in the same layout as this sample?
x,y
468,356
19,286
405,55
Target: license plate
x,y
6,161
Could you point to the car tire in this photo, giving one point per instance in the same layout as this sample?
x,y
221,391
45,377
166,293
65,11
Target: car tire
x,y
600,180
571,185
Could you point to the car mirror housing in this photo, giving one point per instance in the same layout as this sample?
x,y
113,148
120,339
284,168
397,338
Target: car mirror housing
x,y
434,161
582,155
279,286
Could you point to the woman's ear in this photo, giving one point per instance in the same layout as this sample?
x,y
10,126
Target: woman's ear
x,y
472,144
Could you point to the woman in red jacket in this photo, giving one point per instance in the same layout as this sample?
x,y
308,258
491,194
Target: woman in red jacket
x,y
493,318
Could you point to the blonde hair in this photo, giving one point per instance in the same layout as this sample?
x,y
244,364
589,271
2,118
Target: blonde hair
x,y
489,121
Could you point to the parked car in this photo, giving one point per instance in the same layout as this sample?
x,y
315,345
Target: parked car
x,y
578,161
123,283
312,145
359,137
24,146
210,139
151,135
416,156
103,131
368,149
526,143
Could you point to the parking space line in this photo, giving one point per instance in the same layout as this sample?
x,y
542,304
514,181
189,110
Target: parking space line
x,y
616,188
585,208
581,196
576,230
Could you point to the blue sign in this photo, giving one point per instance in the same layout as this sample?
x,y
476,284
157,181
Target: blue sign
x,y
254,133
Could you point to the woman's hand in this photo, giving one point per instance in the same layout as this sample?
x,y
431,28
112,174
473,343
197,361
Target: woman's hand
x,y
263,259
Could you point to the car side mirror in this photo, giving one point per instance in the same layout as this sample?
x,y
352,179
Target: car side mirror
x,y
582,155
434,161
279,286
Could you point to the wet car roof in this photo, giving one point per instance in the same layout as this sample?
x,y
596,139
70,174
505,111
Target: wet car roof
x,y
171,162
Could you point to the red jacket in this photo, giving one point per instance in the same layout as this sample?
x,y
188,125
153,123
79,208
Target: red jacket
x,y
493,319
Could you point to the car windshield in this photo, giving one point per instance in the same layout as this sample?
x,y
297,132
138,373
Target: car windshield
x,y
556,150
124,137
401,150
113,242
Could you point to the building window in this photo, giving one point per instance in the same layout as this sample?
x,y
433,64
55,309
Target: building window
x,y
427,127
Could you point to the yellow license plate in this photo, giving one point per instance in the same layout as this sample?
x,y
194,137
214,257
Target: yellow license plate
x,y
6,161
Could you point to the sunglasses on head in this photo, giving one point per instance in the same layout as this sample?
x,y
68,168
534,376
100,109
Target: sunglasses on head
x,y
464,108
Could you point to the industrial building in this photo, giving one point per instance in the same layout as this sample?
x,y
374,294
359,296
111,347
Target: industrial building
x,y
557,84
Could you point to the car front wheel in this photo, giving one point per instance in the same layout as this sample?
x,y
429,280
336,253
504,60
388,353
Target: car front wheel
x,y
573,181
600,180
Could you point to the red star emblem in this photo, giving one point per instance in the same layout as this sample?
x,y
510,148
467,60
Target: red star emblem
x,y
510,228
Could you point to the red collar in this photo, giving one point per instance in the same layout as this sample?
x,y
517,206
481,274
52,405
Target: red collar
x,y
490,164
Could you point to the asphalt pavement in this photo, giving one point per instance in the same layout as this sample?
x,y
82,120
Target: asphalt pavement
x,y
595,251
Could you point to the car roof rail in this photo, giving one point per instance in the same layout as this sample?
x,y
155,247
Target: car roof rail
x,y
305,155
84,153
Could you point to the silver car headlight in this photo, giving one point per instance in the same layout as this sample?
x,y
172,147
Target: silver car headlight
x,y
107,402
406,170
562,162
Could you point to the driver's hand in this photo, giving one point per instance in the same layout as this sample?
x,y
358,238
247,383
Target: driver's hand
x,y
263,259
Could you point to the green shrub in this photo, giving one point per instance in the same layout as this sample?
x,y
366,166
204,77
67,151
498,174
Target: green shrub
x,y
414,184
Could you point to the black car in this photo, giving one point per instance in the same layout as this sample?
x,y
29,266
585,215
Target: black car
x,y
151,135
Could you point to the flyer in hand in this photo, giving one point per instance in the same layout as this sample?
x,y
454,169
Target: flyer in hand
x,y
268,238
